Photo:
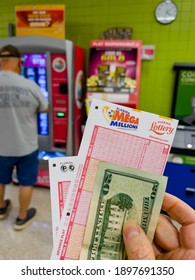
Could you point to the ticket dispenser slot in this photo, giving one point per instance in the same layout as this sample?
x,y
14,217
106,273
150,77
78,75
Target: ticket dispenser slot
x,y
63,88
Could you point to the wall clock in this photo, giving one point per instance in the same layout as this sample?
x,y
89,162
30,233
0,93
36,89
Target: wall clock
x,y
166,12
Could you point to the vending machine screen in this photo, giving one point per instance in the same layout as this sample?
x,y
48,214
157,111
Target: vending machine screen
x,y
34,67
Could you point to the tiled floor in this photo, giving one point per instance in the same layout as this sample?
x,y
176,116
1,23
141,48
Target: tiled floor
x,y
35,241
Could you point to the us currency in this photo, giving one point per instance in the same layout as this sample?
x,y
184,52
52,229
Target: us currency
x,y
120,194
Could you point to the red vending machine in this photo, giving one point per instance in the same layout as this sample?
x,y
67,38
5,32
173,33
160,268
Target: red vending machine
x,y
57,66
114,71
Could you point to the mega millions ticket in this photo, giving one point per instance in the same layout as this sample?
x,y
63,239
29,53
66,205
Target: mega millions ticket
x,y
114,134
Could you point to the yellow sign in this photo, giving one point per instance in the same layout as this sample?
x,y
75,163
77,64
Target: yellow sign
x,y
40,20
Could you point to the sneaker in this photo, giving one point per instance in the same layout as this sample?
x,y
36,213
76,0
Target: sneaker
x,y
4,211
22,223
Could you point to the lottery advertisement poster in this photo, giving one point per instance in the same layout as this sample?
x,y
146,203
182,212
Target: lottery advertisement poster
x,y
114,71
41,20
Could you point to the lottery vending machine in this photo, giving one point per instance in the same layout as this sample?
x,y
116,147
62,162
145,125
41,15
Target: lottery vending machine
x,y
57,66
114,71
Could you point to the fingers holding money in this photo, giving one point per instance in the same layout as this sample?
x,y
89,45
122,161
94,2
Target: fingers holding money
x,y
137,245
166,236
184,215
178,209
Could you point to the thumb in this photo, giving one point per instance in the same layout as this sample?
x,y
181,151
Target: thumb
x,y
137,245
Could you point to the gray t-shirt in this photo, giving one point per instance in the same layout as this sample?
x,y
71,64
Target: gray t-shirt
x,y
20,100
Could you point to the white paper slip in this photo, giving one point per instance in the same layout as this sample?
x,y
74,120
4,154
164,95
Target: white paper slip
x,y
115,134
61,173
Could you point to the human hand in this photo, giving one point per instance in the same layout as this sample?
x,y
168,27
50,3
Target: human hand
x,y
170,242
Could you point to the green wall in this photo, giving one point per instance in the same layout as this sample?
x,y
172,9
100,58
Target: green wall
x,y
86,19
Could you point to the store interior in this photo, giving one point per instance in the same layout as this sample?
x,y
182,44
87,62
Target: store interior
x,y
168,60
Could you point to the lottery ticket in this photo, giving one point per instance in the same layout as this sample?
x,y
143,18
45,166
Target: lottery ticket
x,y
61,173
114,134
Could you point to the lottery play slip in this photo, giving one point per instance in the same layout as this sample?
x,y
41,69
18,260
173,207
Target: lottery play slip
x,y
116,176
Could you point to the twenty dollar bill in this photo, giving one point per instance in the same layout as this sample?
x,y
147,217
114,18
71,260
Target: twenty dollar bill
x,y
120,194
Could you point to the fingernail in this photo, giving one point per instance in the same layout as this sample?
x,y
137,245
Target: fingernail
x,y
131,230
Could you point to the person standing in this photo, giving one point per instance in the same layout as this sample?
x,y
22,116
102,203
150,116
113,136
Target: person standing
x,y
20,101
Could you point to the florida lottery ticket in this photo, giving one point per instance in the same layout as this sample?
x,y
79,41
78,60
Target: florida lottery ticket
x,y
62,173
113,134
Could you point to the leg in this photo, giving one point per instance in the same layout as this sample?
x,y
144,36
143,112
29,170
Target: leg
x,y
26,215
2,193
25,195
27,170
6,169
5,204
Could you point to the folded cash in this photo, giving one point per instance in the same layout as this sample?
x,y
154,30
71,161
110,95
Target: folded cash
x,y
120,194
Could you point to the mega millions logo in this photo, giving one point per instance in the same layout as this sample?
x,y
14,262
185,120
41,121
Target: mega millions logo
x,y
120,118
